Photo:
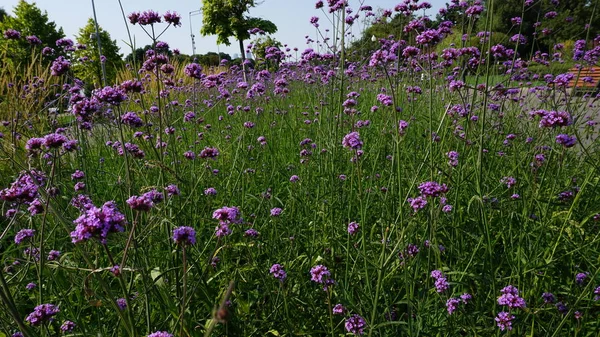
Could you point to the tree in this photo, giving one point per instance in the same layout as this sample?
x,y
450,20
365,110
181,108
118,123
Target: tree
x,y
267,52
3,14
88,66
29,20
381,29
544,22
227,18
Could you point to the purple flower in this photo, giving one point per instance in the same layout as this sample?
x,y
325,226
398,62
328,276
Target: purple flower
x,y
452,304
355,324
504,320
30,286
210,191
98,222
402,126
193,70
24,234
77,175
172,18
227,215
509,181
352,141
294,178
338,309
172,190
318,272
548,298
67,326
466,297
278,272
353,227
276,211
122,303
510,297
11,34
417,203
251,233
432,189
60,66
33,40
115,270
42,313
566,140
160,334
441,285
53,255
222,230
597,293
580,278
209,152
184,235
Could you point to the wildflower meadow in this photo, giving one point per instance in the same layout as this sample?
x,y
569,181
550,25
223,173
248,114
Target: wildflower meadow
x,y
443,182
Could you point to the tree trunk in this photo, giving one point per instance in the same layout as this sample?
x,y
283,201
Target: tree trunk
x,y
243,55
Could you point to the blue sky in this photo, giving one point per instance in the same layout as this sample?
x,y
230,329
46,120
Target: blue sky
x,y
290,16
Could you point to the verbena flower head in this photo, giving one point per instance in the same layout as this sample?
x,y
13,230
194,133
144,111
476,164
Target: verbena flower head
x,y
11,34
276,211
452,304
184,235
42,313
432,189
510,298
278,272
338,309
67,326
319,273
548,298
353,227
355,324
566,140
160,334
581,277
504,320
352,141
24,234
227,215
193,70
172,18
98,222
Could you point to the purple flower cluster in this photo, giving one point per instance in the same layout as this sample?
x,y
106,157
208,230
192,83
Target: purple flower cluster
x,y
98,222
146,201
24,189
441,283
184,235
278,272
510,298
353,227
355,324
352,141
551,119
160,334
432,189
566,140
42,313
504,320
226,216
24,234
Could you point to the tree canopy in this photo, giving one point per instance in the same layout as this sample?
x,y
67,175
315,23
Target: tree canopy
x,y
29,20
228,18
88,65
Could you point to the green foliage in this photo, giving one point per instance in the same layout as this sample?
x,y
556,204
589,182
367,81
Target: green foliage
x,y
28,19
212,59
380,29
88,66
259,48
569,23
227,18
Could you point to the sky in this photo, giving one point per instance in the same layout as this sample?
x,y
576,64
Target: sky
x,y
290,16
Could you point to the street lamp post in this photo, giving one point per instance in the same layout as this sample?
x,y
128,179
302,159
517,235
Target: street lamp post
x,y
99,45
192,36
